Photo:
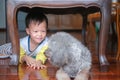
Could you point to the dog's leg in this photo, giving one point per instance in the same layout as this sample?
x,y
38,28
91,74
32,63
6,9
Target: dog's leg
x,y
61,75
83,75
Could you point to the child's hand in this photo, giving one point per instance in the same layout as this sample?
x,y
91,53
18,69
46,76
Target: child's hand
x,y
29,60
33,63
38,65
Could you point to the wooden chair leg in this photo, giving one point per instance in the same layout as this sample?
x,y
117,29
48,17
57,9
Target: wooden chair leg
x,y
118,33
118,50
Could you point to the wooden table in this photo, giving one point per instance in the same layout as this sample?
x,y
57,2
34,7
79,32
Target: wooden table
x,y
84,7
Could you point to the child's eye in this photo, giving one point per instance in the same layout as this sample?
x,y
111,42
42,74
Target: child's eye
x,y
35,31
43,31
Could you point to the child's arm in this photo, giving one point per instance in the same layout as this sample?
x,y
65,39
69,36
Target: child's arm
x,y
24,58
29,60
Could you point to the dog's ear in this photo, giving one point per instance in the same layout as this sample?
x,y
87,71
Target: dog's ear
x,y
66,58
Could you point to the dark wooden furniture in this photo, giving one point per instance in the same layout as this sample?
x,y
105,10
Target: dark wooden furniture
x,y
116,6
84,7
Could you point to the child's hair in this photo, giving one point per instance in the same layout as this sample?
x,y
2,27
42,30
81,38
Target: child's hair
x,y
36,16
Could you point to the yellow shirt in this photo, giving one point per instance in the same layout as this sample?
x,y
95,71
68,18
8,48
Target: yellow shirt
x,y
40,56
39,52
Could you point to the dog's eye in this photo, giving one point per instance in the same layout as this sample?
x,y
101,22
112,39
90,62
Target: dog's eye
x,y
48,52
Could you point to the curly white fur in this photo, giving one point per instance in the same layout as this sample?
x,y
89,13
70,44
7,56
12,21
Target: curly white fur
x,y
70,55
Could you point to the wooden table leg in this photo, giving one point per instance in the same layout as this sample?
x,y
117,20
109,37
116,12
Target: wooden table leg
x,y
103,37
12,28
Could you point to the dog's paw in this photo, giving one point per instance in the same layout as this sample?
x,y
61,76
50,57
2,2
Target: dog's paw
x,y
61,75
82,77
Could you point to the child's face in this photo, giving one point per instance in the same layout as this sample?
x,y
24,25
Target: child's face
x,y
37,32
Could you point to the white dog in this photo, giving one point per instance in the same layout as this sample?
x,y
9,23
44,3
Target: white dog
x,y
70,55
